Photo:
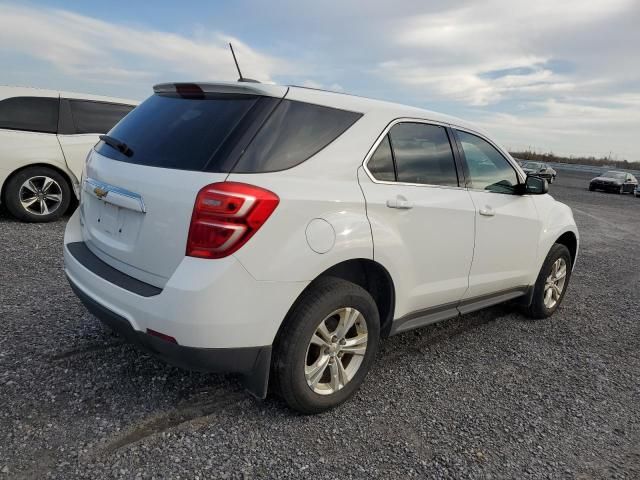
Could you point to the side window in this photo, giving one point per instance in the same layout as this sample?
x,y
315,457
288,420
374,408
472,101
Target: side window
x,y
381,162
293,133
96,117
488,169
36,114
423,154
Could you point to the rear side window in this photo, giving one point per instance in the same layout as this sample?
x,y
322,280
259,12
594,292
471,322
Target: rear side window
x,y
381,162
170,131
96,117
36,114
293,133
423,154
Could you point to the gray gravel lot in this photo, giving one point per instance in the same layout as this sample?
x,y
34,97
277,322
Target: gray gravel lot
x,y
489,395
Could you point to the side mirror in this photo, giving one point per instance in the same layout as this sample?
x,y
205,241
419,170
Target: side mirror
x,y
536,185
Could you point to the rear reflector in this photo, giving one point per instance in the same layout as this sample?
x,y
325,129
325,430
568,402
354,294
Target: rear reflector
x,y
225,216
167,338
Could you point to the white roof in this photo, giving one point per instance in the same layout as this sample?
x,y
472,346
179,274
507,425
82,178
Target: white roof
x,y
11,91
343,101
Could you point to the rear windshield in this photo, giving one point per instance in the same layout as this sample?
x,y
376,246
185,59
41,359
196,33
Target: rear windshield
x,y
217,133
180,133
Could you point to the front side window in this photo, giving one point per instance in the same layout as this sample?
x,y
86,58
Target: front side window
x,y
423,154
35,114
96,117
488,169
381,162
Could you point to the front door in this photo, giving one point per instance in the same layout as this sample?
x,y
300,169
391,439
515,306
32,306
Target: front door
x,y
507,224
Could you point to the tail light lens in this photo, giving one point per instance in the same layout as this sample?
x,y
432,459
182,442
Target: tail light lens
x,y
225,216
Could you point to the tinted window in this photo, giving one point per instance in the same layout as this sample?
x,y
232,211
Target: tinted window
x,y
488,169
423,154
36,114
293,133
184,133
96,117
381,162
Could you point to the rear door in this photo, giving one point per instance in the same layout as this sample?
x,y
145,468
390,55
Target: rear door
x,y
136,206
507,224
422,220
81,122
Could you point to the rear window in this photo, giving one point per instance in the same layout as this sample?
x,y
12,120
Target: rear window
x,y
223,133
170,131
293,133
36,114
96,117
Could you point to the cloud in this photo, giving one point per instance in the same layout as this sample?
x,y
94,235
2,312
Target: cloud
x,y
81,45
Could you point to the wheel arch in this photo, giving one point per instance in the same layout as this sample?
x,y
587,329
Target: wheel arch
x,y
569,240
371,276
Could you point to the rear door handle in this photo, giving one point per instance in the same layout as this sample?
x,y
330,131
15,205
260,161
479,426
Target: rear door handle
x,y
400,203
487,211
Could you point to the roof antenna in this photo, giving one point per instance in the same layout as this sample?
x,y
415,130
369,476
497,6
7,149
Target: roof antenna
x,y
241,79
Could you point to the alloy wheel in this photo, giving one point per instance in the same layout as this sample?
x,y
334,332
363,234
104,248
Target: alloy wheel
x,y
555,283
40,195
336,351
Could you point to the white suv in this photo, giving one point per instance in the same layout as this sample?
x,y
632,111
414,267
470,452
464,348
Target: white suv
x,y
280,232
45,136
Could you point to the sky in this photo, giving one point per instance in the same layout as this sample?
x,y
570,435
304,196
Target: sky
x,y
559,76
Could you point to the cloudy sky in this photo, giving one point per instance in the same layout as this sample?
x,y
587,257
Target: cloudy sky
x,y
553,75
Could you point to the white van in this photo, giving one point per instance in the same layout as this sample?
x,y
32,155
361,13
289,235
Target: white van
x,y
45,136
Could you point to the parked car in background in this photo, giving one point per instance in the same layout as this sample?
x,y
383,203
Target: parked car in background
x,y
298,226
45,136
637,191
612,181
539,169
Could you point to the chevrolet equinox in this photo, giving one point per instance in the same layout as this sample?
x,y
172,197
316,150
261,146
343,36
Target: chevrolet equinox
x,y
280,232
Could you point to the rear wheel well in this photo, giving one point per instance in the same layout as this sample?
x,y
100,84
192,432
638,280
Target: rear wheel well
x,y
64,174
569,240
375,279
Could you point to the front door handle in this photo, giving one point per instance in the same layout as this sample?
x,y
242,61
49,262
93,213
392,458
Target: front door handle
x,y
487,211
400,202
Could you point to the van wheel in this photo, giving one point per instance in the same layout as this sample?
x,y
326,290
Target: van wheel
x,y
552,282
326,346
37,194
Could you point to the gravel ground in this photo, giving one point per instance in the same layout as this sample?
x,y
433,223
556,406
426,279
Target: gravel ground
x,y
489,395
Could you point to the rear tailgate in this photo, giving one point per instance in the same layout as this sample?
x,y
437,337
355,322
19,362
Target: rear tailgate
x,y
137,201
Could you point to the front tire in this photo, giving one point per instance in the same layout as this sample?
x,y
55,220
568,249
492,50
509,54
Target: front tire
x,y
551,283
326,346
37,194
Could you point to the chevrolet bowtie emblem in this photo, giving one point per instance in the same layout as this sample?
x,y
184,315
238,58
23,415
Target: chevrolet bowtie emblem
x,y
100,192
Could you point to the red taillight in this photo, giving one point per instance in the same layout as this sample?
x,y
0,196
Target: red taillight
x,y
225,216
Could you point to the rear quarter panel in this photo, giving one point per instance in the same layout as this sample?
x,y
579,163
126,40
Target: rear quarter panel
x,y
325,187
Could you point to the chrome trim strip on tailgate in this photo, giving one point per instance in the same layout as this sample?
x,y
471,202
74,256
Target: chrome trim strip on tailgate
x,y
115,195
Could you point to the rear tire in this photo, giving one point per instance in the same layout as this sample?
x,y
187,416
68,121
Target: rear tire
x,y
37,194
543,303
310,370
591,188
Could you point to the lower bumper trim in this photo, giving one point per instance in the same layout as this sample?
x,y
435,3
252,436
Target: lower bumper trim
x,y
252,362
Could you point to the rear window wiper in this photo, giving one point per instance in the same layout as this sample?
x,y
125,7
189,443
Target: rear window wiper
x,y
117,144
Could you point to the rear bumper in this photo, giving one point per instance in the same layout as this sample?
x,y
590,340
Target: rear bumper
x,y
204,304
232,360
252,362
